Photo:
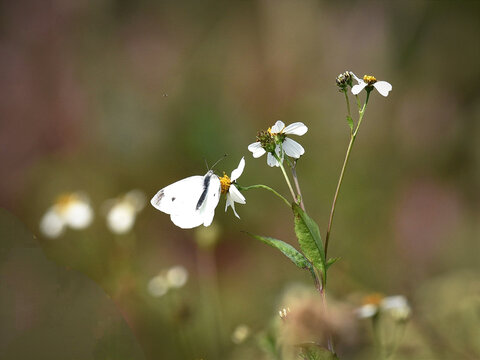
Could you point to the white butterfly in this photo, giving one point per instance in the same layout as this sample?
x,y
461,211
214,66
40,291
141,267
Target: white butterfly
x,y
190,202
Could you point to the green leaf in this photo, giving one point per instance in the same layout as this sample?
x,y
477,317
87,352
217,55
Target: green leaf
x,y
289,251
332,261
309,238
350,122
316,352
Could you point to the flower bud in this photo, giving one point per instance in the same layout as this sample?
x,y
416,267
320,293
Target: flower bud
x,y
344,80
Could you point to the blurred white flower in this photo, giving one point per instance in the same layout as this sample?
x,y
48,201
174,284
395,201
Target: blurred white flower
x,y
275,140
70,210
173,278
122,212
382,87
177,276
158,285
240,334
397,306
232,193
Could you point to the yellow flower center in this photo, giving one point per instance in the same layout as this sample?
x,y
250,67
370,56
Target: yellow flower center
x,y
373,299
370,80
272,133
65,200
225,183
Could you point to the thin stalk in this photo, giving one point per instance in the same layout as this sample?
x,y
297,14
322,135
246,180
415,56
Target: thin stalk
x,y
297,185
342,172
260,186
286,177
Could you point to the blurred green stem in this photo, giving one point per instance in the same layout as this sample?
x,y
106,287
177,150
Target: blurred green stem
x,y
353,136
260,186
207,271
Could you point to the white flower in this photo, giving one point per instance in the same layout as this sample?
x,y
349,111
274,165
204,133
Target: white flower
x,y
367,311
397,306
232,193
275,139
71,210
382,87
158,285
177,276
240,334
173,278
122,212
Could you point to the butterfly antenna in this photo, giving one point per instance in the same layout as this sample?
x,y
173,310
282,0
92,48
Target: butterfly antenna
x,y
216,162
206,164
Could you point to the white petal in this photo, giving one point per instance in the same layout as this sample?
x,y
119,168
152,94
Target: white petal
x,y
367,311
78,215
236,195
359,87
256,149
297,128
271,161
231,203
238,171
293,148
158,286
121,217
383,87
278,127
177,276
52,224
392,302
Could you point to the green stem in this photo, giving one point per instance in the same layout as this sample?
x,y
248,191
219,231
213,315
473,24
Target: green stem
x,y
285,176
260,186
293,167
342,172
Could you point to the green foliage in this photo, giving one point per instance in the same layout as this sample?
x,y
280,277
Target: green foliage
x,y
331,261
309,238
316,352
289,251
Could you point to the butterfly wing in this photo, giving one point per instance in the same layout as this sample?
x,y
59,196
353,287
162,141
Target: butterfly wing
x,y
190,202
181,196
207,210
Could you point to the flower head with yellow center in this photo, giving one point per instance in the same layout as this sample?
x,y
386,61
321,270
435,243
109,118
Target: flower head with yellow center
x,y
375,303
275,141
230,190
369,82
69,210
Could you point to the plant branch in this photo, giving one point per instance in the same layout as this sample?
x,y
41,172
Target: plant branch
x,y
260,186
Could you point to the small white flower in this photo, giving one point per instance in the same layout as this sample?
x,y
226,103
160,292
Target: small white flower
x,y
397,306
158,285
177,276
52,224
240,334
71,210
382,87
122,212
367,311
275,139
232,193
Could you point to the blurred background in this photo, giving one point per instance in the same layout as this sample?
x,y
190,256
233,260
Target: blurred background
x,y
101,98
